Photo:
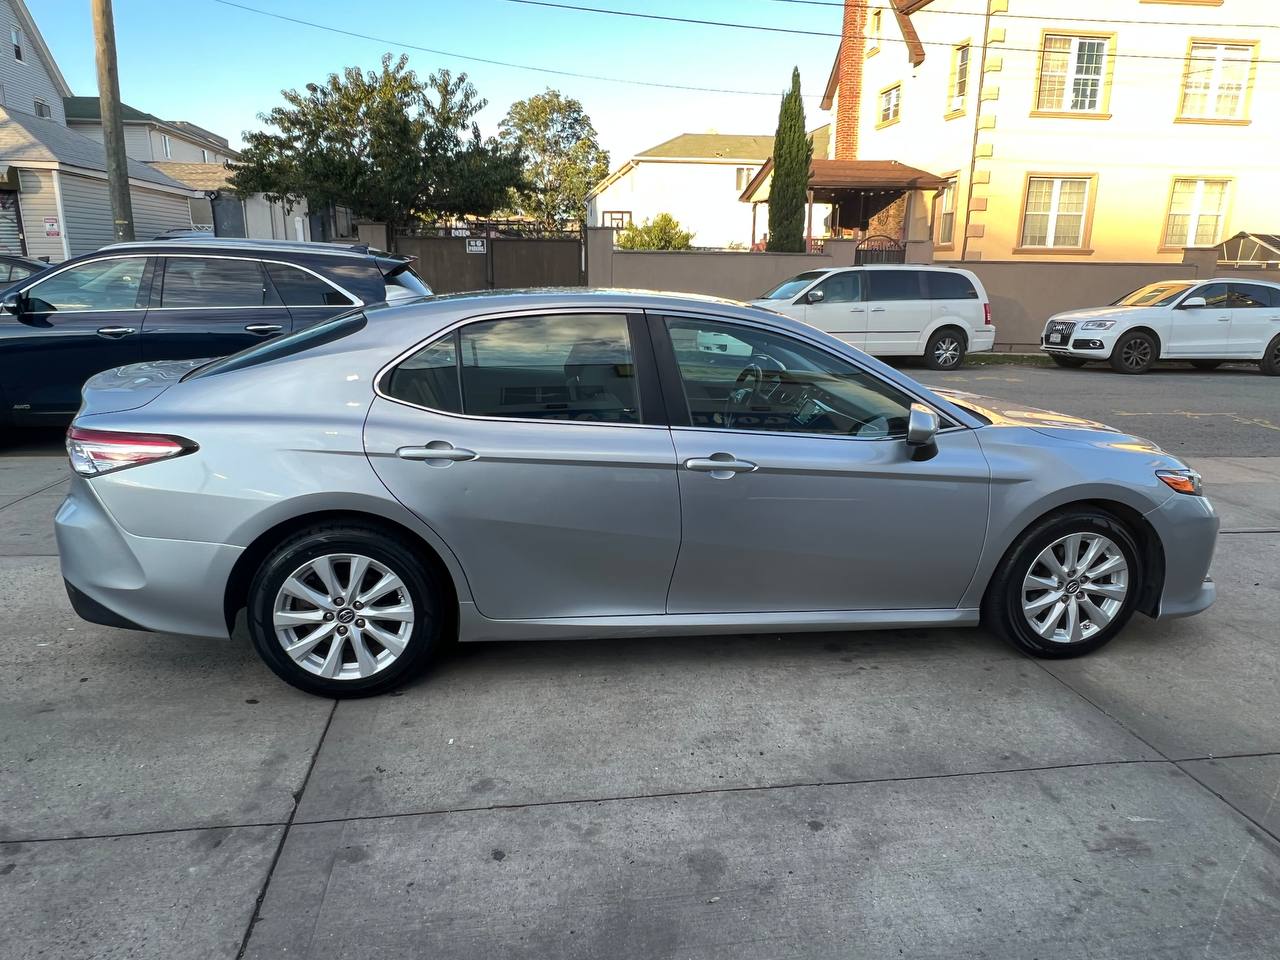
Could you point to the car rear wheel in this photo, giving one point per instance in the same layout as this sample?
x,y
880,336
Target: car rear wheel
x,y
344,611
1135,352
1071,363
1067,585
1206,364
1271,359
945,350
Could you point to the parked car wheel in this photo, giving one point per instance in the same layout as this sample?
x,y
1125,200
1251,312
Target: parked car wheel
x,y
1206,364
945,350
1135,352
344,611
1071,363
1271,359
1067,586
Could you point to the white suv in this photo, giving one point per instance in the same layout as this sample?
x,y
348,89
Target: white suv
x,y
938,313
1203,321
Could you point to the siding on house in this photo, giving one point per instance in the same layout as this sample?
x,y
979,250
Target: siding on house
x,y
87,206
181,151
25,81
37,200
137,142
154,213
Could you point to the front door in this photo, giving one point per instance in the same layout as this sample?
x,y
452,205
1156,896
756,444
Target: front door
x,y
530,447
898,311
798,492
1202,331
841,311
71,324
1255,318
207,306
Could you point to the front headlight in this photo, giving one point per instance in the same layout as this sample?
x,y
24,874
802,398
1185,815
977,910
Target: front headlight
x,y
1183,481
1097,325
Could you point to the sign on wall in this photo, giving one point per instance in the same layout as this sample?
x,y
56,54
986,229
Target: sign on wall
x,y
52,228
478,246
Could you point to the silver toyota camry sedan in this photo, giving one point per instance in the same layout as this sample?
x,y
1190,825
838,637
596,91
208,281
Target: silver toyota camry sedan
x,y
557,464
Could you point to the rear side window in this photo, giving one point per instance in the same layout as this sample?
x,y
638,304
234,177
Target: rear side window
x,y
895,285
949,286
843,287
1249,295
302,340
297,288
406,285
429,378
212,282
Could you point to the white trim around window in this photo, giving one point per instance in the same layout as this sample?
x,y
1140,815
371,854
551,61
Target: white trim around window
x,y
1197,210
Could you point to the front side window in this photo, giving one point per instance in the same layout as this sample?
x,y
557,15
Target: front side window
x,y
1071,74
1216,295
96,285
894,285
769,382
297,288
1055,212
842,287
946,213
1217,78
1195,213
788,289
890,104
210,282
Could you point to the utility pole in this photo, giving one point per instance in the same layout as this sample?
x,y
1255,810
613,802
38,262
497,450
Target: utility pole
x,y
104,35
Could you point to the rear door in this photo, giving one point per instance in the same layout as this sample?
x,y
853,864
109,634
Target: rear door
x,y
1202,331
954,299
898,312
73,323
209,306
841,311
1255,318
309,297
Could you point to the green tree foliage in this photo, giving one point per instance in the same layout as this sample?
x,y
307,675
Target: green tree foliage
x,y
661,233
383,143
562,157
792,153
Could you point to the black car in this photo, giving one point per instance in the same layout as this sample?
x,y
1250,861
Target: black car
x,y
14,268
173,300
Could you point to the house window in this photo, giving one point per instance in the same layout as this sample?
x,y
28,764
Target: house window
x,y
874,31
744,176
890,105
204,155
1055,212
1071,74
1195,213
16,36
1216,81
959,76
618,219
42,109
945,211
167,144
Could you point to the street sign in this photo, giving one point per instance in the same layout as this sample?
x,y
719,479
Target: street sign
x,y
478,246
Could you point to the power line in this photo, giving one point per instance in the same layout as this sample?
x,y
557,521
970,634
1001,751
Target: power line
x,y
400,44
1180,58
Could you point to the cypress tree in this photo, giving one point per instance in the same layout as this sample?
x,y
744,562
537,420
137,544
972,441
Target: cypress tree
x,y
792,152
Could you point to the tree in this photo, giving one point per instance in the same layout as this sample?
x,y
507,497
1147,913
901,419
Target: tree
x,y
660,233
390,147
792,154
562,158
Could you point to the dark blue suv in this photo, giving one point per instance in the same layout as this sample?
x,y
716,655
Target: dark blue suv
x,y
173,300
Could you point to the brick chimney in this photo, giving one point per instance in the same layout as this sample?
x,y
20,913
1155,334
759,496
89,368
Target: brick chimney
x,y
853,45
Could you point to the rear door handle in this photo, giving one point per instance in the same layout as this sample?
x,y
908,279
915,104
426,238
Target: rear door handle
x,y
437,450
1224,319
115,333
877,309
263,328
721,466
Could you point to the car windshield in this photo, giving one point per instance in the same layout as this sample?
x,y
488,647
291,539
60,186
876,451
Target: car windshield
x,y
1154,295
790,288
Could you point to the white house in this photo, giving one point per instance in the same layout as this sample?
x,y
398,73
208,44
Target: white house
x,y
698,179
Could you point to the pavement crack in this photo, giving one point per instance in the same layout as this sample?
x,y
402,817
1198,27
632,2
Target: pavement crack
x,y
162,831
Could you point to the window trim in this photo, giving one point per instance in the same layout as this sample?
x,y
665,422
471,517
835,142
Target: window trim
x,y
1246,97
48,114
1229,195
1103,111
880,103
166,146
953,180
16,36
1086,228
604,214
875,28
958,103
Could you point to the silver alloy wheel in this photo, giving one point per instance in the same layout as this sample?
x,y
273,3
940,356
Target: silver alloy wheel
x,y
1075,587
1136,353
343,616
946,352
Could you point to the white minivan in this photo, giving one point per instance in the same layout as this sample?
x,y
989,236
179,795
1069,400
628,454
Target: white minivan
x,y
938,313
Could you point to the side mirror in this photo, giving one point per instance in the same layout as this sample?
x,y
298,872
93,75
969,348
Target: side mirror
x,y
12,303
815,296
1192,303
922,432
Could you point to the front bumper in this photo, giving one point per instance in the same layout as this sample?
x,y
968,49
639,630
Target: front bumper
x,y
1188,530
143,583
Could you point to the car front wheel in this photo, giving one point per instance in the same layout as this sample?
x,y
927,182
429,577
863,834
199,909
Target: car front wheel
x,y
1135,352
1067,585
344,611
945,350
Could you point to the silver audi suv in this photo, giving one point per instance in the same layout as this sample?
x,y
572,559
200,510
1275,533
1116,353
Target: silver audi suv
x,y
555,464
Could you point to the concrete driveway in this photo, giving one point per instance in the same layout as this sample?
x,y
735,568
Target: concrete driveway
x,y
911,794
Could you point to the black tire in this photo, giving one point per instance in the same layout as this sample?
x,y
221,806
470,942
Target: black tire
x,y
1206,364
1071,363
1002,606
1270,364
1135,352
945,349
420,588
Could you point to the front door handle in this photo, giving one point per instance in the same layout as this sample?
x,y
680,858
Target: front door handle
x,y
877,309
440,451
263,328
115,333
721,466
1224,319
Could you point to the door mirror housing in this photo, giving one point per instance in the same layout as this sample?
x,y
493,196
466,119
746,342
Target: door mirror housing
x,y
815,296
1192,303
12,303
922,432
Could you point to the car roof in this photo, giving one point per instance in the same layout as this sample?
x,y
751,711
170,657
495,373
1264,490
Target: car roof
x,y
247,245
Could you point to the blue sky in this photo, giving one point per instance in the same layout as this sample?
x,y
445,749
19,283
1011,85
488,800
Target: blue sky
x,y
218,66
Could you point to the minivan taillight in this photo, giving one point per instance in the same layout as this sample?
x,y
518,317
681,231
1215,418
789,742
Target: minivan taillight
x,y
95,452
986,313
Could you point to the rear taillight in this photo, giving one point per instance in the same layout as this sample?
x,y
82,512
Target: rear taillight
x,y
95,452
986,314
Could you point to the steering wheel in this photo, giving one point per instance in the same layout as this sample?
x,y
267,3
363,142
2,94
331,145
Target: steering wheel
x,y
744,391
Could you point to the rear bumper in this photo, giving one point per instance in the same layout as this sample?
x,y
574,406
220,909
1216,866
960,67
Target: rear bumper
x,y
1188,530
140,583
